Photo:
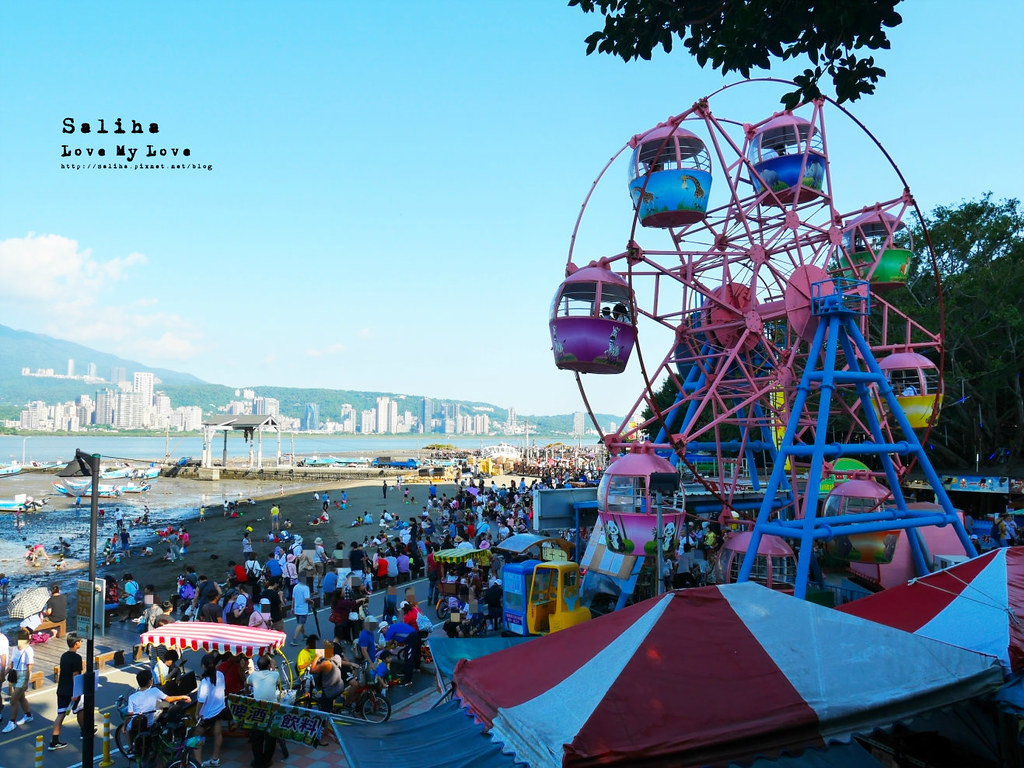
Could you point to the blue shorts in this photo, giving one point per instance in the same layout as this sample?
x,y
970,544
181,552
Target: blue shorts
x,y
300,619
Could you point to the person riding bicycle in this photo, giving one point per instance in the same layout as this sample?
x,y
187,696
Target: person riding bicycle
x,y
335,673
145,700
405,632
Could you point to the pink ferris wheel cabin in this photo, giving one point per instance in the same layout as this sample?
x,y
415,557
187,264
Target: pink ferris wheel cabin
x,y
591,321
786,153
669,177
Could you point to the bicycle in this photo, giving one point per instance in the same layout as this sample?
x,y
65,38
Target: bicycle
x,y
165,744
368,702
134,730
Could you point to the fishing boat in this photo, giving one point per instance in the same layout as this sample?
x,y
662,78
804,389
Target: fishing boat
x,y
10,469
21,503
129,471
106,490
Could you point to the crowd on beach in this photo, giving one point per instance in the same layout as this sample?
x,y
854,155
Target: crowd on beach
x,y
279,574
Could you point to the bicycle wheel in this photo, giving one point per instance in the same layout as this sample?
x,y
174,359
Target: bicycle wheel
x,y
124,740
442,609
374,708
185,762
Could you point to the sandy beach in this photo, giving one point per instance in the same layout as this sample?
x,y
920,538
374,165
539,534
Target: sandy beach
x,y
218,539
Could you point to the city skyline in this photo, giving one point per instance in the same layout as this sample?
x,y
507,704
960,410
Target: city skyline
x,y
380,215
136,404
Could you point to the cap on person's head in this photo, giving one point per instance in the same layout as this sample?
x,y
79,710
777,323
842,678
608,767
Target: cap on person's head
x,y
264,601
382,625
498,582
318,540
405,604
248,529
458,539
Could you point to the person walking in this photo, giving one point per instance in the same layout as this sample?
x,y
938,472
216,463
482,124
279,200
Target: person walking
x,y
265,683
301,600
385,489
21,662
213,709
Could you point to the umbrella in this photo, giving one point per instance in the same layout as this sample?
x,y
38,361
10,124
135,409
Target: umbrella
x,y
24,604
222,638
978,605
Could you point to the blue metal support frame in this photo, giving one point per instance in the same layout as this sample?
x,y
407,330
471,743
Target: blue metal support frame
x,y
838,303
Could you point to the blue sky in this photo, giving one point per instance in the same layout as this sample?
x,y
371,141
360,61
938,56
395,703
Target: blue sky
x,y
394,184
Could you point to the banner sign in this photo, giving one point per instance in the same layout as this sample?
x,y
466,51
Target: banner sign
x,y
281,721
976,484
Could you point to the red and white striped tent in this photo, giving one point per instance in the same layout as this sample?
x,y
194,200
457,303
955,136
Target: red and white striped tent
x,y
219,638
711,676
978,605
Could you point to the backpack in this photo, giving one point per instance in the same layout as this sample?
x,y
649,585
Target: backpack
x,y
186,591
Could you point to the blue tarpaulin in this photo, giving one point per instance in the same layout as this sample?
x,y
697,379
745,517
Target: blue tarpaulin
x,y
446,737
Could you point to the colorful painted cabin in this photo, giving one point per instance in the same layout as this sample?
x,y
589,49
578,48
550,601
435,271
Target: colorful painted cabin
x,y
669,177
774,564
870,253
626,497
592,322
854,497
915,382
787,154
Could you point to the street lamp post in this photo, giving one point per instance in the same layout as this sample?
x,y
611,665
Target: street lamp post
x,y
23,441
86,465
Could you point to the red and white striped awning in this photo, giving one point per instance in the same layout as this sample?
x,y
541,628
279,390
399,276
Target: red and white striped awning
x,y
220,638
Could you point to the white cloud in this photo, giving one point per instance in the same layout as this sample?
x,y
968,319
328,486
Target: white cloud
x,y
53,286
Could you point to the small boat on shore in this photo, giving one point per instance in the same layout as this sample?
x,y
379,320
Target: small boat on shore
x,y
106,490
22,503
129,471
10,469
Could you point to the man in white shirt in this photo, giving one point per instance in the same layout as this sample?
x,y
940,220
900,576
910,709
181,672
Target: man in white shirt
x,y
301,599
145,700
265,683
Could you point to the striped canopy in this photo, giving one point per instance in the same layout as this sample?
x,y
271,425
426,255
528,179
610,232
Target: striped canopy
x,y
220,638
461,555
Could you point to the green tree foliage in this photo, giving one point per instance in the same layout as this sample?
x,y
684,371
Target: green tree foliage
x,y
979,250
741,35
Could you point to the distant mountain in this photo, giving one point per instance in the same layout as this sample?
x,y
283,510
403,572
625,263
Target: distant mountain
x,y
21,349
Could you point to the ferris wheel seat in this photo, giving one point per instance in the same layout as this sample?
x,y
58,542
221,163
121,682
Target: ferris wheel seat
x,y
591,344
891,268
922,411
671,198
783,176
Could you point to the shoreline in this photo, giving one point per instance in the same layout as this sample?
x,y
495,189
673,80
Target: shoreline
x,y
218,540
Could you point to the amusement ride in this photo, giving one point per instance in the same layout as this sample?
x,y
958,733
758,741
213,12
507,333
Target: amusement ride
x,y
800,393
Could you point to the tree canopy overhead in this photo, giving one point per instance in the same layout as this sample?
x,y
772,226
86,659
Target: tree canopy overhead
x,y
741,35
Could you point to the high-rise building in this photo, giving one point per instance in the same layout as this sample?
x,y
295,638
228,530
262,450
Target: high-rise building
x,y
368,422
347,419
118,374
91,371
387,415
427,415
71,368
106,405
578,424
142,385
311,417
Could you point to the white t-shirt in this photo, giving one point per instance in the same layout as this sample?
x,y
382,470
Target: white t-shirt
x,y
21,659
211,697
5,650
300,593
264,684
144,702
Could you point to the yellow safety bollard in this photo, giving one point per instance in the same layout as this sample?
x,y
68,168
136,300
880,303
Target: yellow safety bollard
x,y
106,762
39,752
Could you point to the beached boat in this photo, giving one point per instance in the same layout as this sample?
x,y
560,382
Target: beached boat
x,y
128,471
106,490
10,469
21,503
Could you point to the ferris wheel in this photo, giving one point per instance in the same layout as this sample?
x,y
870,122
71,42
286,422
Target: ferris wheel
x,y
737,249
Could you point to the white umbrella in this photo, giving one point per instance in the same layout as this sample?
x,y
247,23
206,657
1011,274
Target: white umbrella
x,y
24,604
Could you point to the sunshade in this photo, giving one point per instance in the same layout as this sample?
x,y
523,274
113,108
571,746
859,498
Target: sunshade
x,y
26,603
211,637
773,674
461,555
978,605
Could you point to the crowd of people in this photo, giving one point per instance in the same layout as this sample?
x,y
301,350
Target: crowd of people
x,y
277,575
